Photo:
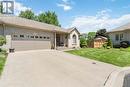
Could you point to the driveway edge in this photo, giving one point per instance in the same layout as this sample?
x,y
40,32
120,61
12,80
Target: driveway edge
x,y
116,78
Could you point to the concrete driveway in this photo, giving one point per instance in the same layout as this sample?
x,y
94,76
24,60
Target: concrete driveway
x,y
49,68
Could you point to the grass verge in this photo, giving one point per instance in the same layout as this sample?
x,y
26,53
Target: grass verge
x,y
118,57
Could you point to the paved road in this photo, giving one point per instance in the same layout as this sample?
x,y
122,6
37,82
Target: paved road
x,y
48,68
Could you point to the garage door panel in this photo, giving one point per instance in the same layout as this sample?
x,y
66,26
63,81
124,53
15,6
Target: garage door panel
x,y
31,45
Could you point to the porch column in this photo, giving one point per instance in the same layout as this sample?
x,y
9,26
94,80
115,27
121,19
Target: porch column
x,y
55,40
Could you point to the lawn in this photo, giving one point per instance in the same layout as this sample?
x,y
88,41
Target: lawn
x,y
119,57
3,56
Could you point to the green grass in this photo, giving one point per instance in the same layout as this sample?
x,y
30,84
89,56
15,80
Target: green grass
x,y
3,56
119,57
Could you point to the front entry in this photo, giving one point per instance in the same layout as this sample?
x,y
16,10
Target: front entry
x,y
57,40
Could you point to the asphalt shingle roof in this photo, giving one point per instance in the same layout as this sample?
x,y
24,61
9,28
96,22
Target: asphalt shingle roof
x,y
121,28
18,21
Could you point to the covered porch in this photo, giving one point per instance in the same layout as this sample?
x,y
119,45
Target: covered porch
x,y
61,40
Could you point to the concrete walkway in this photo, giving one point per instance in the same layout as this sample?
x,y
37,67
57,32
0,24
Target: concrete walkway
x,y
49,68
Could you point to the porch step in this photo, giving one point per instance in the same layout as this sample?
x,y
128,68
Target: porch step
x,y
65,48
62,48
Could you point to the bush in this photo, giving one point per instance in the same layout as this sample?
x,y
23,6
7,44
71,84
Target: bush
x,y
109,42
117,46
2,40
124,44
83,42
105,45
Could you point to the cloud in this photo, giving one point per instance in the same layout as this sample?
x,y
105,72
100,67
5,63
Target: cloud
x,y
18,7
66,5
101,20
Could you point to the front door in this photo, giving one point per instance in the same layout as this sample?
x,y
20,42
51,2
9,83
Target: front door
x,y
57,40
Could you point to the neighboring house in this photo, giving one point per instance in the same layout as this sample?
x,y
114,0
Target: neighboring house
x,y
24,34
120,34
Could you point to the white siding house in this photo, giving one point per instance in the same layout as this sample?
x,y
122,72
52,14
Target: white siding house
x,y
120,34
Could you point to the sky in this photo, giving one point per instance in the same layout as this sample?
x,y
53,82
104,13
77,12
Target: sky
x,y
86,15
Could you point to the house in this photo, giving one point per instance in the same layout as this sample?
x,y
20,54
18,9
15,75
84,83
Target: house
x,y
99,41
24,34
120,34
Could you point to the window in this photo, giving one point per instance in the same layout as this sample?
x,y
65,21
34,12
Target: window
x,y
121,37
36,36
117,37
15,35
48,37
74,39
40,37
44,37
27,36
22,36
32,36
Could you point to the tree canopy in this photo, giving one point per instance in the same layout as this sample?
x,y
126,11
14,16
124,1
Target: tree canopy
x,y
27,14
101,32
46,17
91,35
49,17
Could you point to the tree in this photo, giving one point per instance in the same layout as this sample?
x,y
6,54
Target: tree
x,y
49,18
91,36
27,14
46,17
101,32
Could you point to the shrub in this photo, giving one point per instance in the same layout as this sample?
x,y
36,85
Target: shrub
x,y
83,42
117,46
2,40
105,45
124,44
109,42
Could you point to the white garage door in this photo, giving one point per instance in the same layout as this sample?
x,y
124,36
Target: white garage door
x,y
30,45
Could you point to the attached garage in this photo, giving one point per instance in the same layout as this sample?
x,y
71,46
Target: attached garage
x,y
31,45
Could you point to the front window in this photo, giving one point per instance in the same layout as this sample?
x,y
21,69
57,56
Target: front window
x,y
15,35
117,37
121,37
74,39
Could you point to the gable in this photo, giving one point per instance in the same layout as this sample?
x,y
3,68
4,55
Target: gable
x,y
74,29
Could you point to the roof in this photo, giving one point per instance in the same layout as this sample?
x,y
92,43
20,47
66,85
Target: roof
x,y
23,22
121,28
71,29
100,37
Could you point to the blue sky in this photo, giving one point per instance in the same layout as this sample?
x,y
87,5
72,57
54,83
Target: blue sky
x,y
86,15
